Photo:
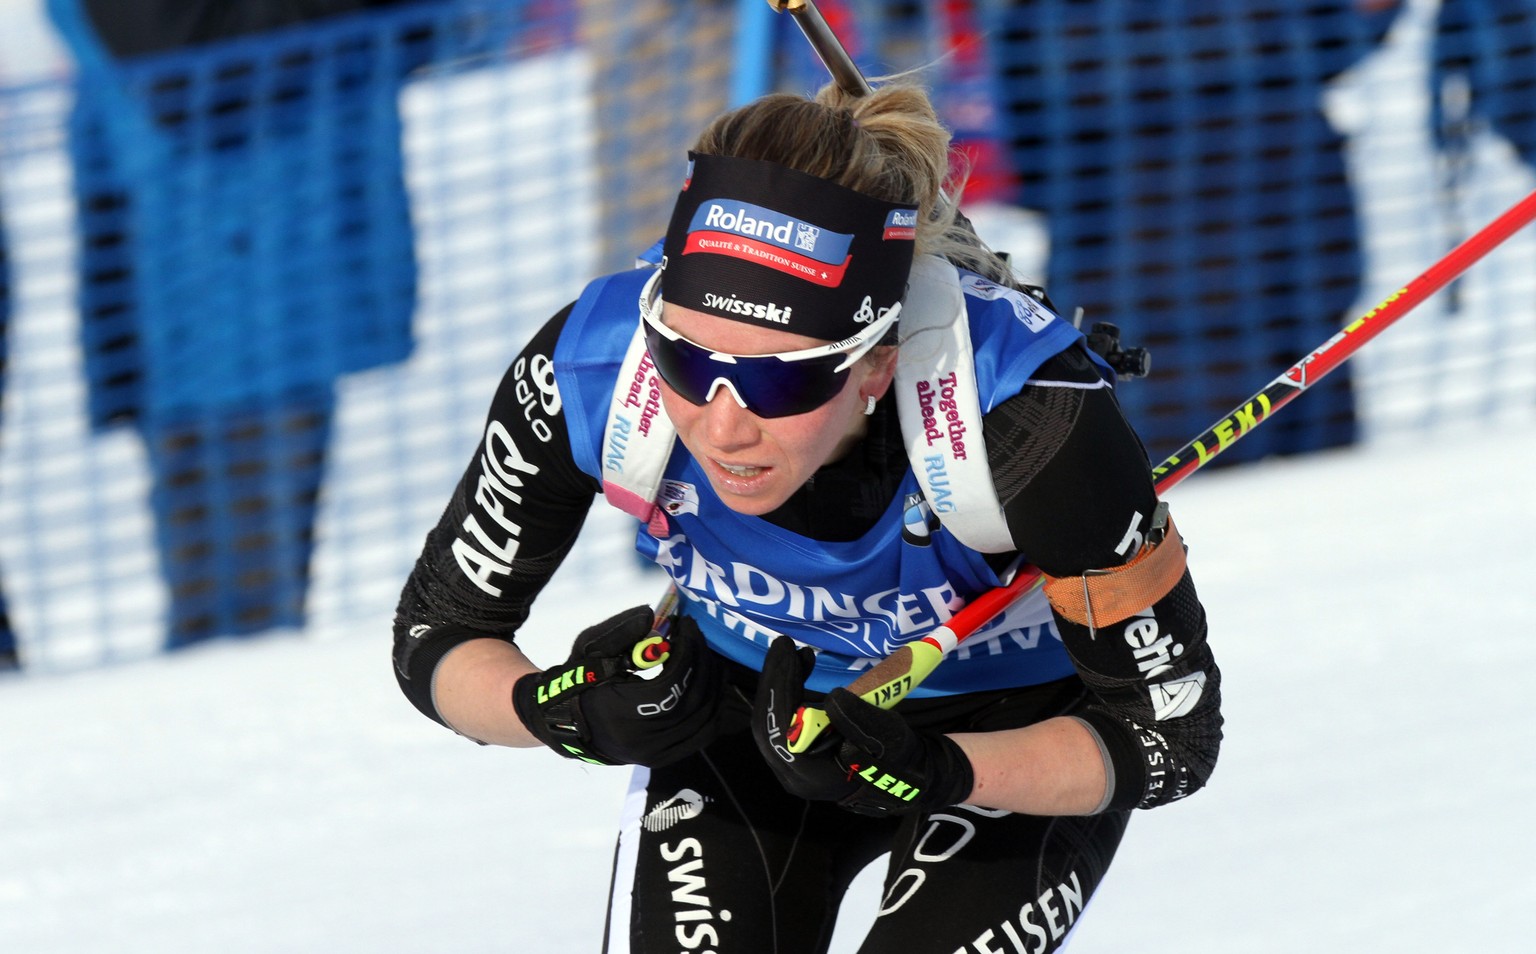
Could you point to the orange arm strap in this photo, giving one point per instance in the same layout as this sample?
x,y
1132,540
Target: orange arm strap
x,y
1104,597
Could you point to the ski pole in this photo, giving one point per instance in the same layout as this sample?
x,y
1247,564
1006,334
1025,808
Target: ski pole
x,y
895,676
834,56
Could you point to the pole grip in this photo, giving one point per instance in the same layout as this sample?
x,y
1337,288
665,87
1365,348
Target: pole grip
x,y
894,677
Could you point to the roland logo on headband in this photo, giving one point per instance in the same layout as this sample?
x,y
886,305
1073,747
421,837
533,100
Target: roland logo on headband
x,y
746,230
772,239
901,224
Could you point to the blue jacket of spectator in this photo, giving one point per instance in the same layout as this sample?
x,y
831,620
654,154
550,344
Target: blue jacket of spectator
x,y
245,225
1195,193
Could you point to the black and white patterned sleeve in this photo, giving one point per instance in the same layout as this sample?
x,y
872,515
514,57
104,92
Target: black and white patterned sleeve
x,y
1079,498
511,520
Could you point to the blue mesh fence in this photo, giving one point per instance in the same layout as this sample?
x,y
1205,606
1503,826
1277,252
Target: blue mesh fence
x,y
261,286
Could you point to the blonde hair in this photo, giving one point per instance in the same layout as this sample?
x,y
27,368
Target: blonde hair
x,y
889,144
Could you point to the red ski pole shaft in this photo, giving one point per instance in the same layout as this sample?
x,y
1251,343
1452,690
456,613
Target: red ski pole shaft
x,y
895,676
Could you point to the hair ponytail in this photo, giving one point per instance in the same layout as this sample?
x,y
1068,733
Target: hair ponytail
x,y
889,144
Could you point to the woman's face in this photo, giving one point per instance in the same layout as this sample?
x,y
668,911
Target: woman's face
x,y
755,463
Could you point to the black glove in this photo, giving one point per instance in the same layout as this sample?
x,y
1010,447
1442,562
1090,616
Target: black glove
x,y
876,764
598,708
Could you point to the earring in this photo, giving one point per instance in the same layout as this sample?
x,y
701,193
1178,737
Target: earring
x,y
869,404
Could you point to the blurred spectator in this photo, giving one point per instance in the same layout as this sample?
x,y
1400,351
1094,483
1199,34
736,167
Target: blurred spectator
x,y
661,69
1483,73
1195,193
1485,66
245,240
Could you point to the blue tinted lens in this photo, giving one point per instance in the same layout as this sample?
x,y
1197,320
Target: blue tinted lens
x,y
770,387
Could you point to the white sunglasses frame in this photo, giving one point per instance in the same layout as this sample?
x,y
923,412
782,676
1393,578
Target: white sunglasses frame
x,y
856,346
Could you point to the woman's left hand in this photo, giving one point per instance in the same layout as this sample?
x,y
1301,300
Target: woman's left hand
x,y
873,763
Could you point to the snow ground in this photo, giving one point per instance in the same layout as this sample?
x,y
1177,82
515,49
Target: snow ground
x,y
1370,609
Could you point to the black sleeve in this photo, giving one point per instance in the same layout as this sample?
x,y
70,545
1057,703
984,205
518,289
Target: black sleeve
x,y
1071,474
1077,491
511,521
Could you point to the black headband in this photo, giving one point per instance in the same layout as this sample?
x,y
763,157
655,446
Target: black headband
x,y
758,242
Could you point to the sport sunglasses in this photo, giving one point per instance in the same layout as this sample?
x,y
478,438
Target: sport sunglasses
x,y
768,385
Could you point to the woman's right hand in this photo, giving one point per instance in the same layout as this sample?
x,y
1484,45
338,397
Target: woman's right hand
x,y
612,705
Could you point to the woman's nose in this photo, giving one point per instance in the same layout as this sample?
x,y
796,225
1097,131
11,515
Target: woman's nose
x,y
727,422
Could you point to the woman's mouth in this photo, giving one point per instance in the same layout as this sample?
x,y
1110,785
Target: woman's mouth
x,y
739,470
